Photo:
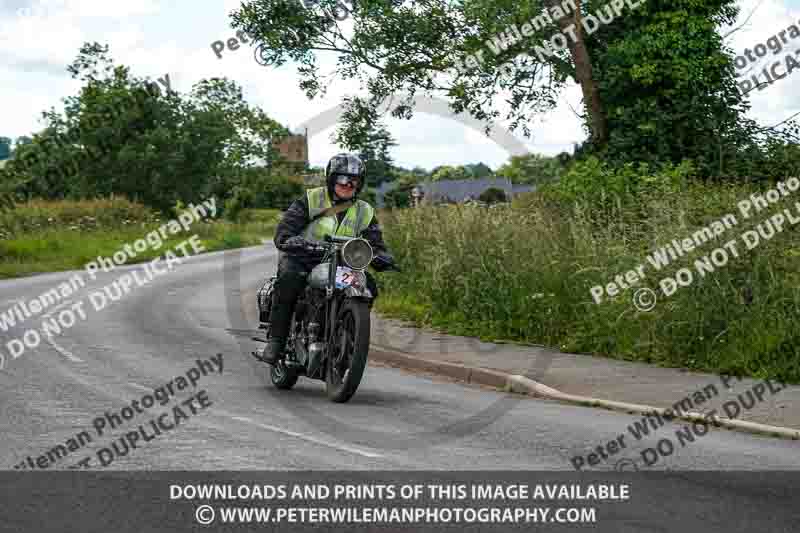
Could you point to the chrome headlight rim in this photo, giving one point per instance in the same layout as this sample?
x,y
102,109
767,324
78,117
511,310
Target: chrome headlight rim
x,y
346,260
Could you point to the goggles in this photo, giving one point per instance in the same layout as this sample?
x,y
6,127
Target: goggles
x,y
347,181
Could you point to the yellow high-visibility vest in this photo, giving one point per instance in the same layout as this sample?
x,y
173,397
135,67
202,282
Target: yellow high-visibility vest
x,y
356,220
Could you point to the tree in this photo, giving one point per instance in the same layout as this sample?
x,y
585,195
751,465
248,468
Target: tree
x,y
669,84
652,64
447,172
362,131
260,187
478,171
377,157
400,197
564,159
121,135
420,172
533,169
402,47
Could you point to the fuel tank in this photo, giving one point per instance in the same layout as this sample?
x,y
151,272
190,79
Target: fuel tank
x,y
318,279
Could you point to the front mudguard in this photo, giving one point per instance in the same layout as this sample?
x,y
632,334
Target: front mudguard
x,y
358,293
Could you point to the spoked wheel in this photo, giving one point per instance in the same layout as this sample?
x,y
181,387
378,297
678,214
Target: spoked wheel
x,y
282,377
348,356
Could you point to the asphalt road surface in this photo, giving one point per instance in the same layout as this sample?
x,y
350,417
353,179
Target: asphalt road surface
x,y
396,421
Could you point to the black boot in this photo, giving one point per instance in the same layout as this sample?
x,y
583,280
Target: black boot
x,y
273,351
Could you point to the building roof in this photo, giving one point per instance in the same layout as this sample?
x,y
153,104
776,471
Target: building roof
x,y
455,190
461,190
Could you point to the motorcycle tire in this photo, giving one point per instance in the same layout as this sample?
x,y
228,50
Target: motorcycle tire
x,y
282,377
352,337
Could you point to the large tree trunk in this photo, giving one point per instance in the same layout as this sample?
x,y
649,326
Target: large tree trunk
x,y
598,122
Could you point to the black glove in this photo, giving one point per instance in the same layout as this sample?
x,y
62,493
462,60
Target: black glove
x,y
295,243
383,262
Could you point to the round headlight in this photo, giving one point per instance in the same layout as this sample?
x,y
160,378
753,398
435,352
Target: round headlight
x,y
357,254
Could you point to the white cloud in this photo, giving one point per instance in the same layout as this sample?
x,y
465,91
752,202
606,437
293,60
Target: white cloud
x,y
113,9
779,100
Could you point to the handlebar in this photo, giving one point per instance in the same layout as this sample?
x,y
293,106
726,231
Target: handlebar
x,y
380,262
317,247
305,247
314,247
309,246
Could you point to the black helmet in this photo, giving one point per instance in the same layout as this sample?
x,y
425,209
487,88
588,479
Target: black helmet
x,y
345,165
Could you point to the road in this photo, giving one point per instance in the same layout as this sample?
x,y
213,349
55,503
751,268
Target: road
x,y
152,338
396,421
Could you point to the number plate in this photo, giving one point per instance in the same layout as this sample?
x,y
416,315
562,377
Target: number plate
x,y
345,277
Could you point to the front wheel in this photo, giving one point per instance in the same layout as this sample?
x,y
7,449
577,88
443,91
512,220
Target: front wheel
x,y
348,355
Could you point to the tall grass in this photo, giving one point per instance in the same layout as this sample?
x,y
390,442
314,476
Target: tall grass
x,y
524,273
76,215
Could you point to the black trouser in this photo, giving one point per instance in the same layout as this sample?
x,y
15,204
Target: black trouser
x,y
291,282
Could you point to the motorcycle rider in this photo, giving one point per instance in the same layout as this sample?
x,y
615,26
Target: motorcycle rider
x,y
334,209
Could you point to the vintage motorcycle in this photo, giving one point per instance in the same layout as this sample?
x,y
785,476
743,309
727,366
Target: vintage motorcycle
x,y
330,328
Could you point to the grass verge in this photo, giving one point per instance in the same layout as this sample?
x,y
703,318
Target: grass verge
x,y
44,236
524,273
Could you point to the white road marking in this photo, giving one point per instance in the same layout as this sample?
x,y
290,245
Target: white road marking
x,y
49,338
66,353
56,308
308,438
321,442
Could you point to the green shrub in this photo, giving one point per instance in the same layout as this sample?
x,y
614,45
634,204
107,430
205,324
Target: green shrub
x,y
492,195
7,201
399,197
368,195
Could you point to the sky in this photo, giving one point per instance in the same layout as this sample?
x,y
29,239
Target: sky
x,y
39,38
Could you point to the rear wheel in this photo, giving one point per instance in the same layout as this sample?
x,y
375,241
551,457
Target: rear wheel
x,y
348,357
282,377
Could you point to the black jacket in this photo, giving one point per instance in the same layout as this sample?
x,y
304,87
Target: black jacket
x,y
294,223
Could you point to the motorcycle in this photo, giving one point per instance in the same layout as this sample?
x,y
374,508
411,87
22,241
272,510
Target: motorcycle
x,y
330,327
